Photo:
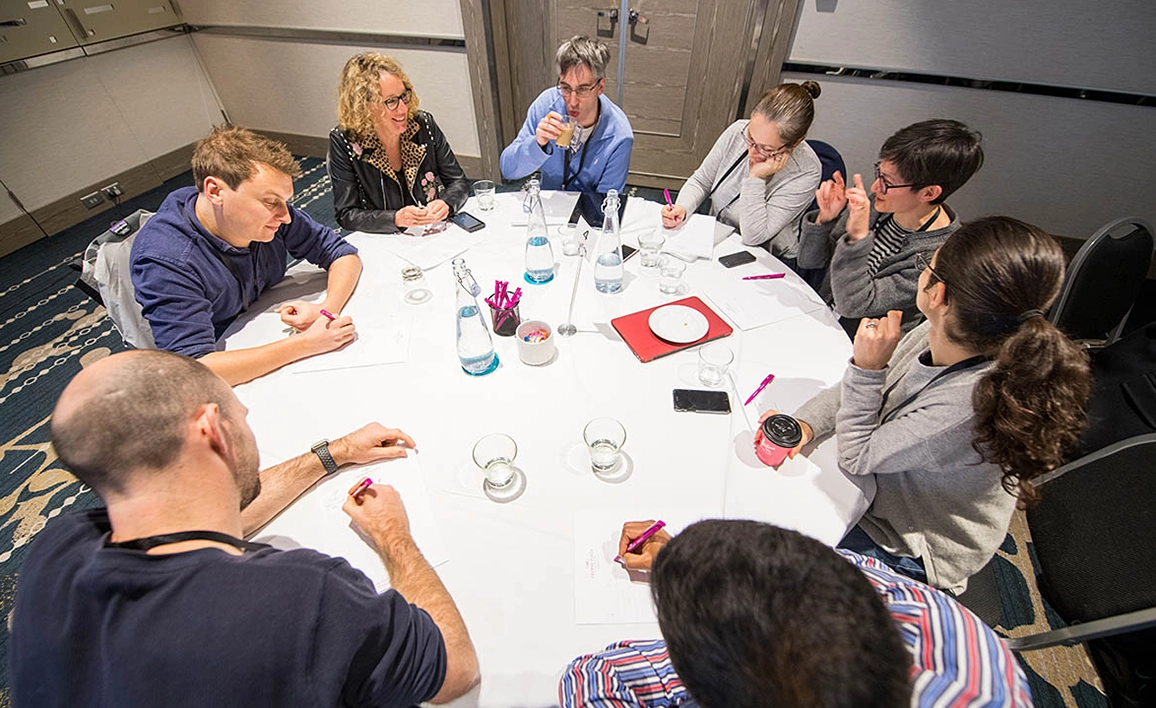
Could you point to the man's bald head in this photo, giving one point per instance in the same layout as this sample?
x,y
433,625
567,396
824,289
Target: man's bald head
x,y
131,412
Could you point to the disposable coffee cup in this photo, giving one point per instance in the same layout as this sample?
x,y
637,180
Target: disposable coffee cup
x,y
781,433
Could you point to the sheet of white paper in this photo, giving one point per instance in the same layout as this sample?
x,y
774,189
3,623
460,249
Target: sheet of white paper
x,y
558,205
429,251
384,340
754,303
696,237
604,592
316,520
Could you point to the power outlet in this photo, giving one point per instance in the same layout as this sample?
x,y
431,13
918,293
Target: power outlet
x,y
113,190
92,201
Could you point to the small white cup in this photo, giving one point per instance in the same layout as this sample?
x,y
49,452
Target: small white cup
x,y
535,353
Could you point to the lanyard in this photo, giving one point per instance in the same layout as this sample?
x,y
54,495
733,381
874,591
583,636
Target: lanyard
x,y
245,302
164,539
925,226
956,367
567,178
734,166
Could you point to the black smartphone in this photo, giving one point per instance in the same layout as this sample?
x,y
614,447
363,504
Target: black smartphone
x,y
468,221
589,207
737,259
627,252
699,401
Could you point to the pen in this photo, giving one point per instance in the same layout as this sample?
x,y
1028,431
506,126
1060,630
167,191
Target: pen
x,y
639,542
770,378
769,276
327,314
669,203
358,489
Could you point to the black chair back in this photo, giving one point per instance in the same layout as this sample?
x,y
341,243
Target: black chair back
x,y
1103,280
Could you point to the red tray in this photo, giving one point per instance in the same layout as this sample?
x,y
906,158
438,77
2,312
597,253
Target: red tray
x,y
647,346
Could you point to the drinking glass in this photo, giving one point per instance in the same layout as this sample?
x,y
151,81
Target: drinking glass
x,y
650,243
567,134
604,438
670,280
484,190
713,361
494,454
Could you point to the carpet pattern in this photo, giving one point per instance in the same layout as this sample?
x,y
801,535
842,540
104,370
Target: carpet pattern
x,y
50,330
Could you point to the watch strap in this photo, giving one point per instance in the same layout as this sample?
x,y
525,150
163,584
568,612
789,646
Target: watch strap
x,y
321,449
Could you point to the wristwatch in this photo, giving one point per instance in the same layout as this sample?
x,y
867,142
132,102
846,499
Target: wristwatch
x,y
321,449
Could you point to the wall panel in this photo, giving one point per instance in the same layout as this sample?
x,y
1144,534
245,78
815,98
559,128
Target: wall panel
x,y
428,18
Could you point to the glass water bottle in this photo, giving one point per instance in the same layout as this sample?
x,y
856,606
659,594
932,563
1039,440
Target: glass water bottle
x,y
608,252
475,348
539,253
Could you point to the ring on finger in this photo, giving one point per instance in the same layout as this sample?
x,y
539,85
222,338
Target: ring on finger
x,y
871,325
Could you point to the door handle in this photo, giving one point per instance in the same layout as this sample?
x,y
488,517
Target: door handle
x,y
611,14
18,22
636,19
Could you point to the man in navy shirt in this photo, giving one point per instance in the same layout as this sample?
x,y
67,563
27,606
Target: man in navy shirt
x,y
156,600
211,250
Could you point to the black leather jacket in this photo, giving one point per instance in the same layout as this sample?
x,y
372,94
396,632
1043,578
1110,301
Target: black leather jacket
x,y
366,200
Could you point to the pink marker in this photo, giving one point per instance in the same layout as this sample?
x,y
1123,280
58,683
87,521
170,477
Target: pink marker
x,y
643,537
766,381
328,314
769,276
358,489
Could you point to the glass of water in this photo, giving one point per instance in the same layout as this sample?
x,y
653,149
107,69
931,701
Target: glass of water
x,y
670,280
484,190
604,438
494,454
650,243
713,361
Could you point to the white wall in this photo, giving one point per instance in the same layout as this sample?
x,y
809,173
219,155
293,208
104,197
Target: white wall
x,y
68,126
1076,43
421,18
291,87
1067,166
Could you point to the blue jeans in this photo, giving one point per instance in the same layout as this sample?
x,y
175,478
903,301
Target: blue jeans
x,y
858,541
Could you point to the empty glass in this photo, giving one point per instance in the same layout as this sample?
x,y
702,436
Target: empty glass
x,y
484,190
604,438
713,361
650,243
670,280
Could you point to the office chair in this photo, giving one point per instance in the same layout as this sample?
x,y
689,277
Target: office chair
x,y
831,161
1094,532
1103,280
105,276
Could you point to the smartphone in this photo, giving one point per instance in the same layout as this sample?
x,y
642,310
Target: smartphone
x,y
627,252
737,259
699,401
468,221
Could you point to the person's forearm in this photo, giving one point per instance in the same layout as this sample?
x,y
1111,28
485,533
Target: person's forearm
x,y
412,576
343,276
241,365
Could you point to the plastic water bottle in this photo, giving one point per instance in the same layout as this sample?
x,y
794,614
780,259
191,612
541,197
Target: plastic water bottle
x,y
608,252
539,253
475,348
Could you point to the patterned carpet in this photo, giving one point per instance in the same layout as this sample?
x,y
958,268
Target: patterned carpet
x,y
51,330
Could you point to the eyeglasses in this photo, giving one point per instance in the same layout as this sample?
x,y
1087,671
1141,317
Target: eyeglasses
x,y
923,262
765,152
583,91
887,185
404,97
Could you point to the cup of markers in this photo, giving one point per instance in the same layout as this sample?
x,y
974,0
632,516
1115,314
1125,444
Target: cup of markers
x,y
504,308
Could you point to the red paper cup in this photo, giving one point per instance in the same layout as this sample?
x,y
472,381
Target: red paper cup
x,y
780,434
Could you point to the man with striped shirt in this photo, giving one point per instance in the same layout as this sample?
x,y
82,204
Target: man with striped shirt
x,y
755,615
869,246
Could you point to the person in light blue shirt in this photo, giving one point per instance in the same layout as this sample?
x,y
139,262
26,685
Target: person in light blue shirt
x,y
598,156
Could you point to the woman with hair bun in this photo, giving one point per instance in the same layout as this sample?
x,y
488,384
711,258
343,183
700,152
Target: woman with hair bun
x,y
760,176
390,164
956,419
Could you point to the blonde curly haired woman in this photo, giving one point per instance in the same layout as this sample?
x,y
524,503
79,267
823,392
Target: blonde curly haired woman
x,y
390,164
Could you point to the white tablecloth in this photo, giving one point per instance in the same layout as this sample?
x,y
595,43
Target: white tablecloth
x,y
511,568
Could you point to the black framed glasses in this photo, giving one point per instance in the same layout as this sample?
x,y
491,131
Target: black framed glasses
x,y
759,148
583,91
887,185
404,97
923,262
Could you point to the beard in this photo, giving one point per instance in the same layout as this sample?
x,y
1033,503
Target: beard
x,y
246,464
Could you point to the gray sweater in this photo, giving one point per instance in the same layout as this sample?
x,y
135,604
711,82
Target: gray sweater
x,y
846,285
766,212
935,499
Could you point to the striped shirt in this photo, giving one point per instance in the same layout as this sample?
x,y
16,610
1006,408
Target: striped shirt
x,y
889,240
957,660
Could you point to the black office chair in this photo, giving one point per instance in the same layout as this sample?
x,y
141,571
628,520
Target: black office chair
x,y
831,161
1094,533
1103,280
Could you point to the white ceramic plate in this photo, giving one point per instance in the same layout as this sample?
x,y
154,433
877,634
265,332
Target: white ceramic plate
x,y
679,324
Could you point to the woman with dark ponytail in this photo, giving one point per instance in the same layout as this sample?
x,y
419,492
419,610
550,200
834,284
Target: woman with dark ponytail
x,y
955,420
761,175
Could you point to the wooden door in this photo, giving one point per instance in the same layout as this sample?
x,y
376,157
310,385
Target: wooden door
x,y
689,70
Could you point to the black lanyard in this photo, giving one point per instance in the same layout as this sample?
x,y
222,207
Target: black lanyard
x,y
224,261
726,174
925,226
164,539
956,367
567,178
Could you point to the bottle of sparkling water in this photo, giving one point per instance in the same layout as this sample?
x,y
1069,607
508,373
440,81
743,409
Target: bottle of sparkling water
x,y
608,252
539,253
475,348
